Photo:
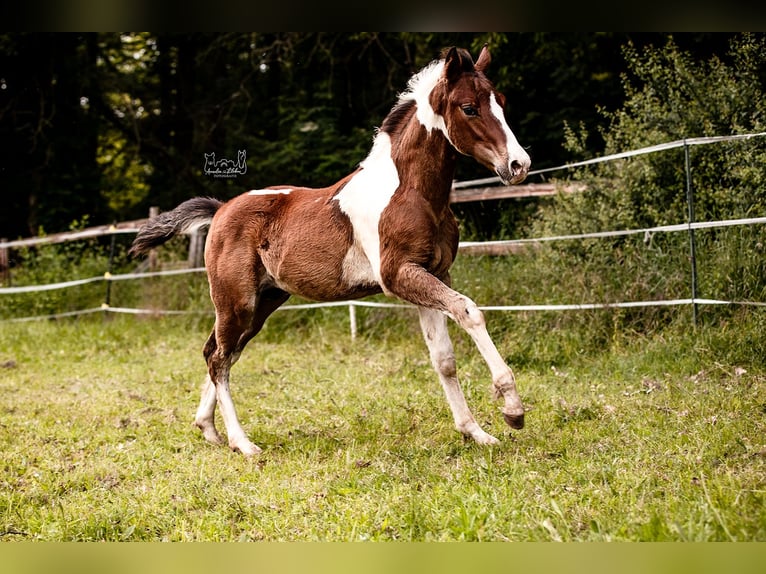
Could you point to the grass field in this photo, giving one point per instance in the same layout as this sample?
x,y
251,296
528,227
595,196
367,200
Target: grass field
x,y
656,439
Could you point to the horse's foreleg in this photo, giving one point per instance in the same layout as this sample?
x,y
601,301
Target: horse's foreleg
x,y
413,283
434,326
504,383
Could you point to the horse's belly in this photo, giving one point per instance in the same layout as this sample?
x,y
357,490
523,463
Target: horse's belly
x,y
324,275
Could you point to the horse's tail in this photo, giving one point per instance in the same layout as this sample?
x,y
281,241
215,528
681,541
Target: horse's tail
x,y
196,212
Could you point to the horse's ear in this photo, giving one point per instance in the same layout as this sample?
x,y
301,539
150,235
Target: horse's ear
x,y
453,65
484,59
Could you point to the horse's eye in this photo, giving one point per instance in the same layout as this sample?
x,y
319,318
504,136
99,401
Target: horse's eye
x,y
469,110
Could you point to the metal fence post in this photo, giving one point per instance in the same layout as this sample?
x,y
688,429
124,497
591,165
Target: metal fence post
x,y
692,244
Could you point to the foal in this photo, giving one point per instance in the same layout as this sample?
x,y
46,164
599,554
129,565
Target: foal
x,y
387,227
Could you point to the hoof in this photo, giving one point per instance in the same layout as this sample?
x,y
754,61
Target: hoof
x,y
210,433
484,438
514,421
246,448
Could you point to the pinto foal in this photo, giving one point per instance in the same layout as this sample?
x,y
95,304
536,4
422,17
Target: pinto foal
x,y
387,227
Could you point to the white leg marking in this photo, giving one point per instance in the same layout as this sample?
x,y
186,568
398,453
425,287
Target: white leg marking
x,y
470,317
434,326
238,440
205,417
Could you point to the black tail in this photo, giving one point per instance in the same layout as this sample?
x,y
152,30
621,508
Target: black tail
x,y
195,212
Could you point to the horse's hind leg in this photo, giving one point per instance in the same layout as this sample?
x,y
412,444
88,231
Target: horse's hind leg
x,y
219,367
205,417
233,329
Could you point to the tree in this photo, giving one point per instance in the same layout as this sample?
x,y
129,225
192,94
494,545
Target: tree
x,y
107,124
48,131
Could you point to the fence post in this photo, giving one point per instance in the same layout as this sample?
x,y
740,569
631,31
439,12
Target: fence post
x,y
5,266
110,265
692,244
154,211
196,248
352,319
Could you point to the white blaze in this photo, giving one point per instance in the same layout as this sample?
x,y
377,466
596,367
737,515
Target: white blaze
x,y
515,151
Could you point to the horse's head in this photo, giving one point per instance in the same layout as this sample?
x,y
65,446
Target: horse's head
x,y
473,116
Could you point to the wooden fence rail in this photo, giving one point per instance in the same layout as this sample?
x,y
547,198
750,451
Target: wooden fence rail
x,y
466,194
64,236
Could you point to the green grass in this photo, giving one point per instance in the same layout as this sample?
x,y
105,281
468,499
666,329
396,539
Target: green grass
x,y
657,439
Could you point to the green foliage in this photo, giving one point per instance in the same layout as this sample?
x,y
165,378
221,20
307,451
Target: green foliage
x,y
639,428
107,124
669,96
94,258
124,179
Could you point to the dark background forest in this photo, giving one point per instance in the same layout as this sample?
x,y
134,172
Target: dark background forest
x,y
96,127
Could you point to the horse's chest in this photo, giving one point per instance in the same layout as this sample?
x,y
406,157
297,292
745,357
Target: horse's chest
x,y
356,269
362,201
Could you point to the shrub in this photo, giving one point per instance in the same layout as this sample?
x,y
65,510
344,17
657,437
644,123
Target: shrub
x,y
669,97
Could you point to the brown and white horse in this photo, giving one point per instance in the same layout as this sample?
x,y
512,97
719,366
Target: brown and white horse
x,y
387,227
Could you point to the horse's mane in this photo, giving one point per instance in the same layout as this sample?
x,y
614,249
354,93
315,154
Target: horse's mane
x,y
418,89
396,116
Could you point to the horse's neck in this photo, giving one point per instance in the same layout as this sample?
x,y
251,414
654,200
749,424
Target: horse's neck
x,y
425,162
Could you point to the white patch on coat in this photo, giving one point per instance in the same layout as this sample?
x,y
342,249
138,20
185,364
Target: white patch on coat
x,y
196,224
356,270
363,199
269,192
419,89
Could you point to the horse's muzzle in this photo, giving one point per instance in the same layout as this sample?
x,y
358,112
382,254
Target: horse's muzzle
x,y
514,173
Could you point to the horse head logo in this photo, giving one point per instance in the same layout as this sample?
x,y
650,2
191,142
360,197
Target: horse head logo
x,y
209,162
